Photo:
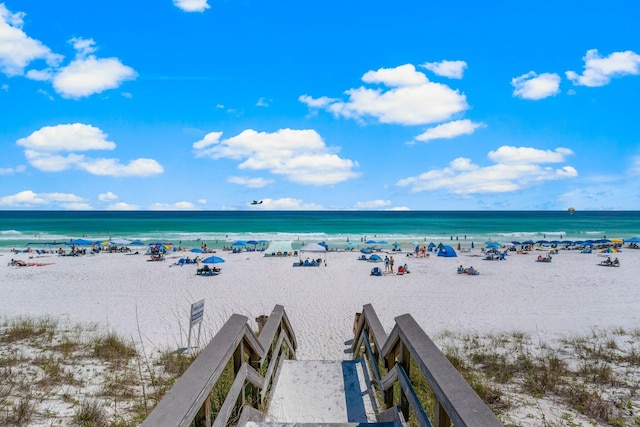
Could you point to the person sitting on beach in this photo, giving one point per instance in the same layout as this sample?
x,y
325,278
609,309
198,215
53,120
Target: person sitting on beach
x,y
471,271
460,269
406,268
616,261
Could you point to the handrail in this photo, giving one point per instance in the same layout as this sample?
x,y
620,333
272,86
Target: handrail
x,y
188,399
455,400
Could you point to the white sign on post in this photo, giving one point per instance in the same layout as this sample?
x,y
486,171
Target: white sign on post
x,y
197,312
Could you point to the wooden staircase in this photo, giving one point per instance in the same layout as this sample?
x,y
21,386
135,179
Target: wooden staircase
x,y
272,388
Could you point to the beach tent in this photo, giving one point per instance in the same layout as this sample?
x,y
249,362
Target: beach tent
x,y
279,248
80,242
120,241
314,248
431,246
447,251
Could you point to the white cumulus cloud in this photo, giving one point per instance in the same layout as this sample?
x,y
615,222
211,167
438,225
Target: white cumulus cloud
x,y
192,5
450,69
29,198
300,156
178,206
122,206
17,50
372,204
533,86
407,97
55,149
514,168
449,130
87,74
249,182
107,197
599,70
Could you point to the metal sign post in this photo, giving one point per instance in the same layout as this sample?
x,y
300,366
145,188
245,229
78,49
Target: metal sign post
x,y
197,312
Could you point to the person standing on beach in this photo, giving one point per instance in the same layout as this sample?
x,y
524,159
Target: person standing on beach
x,y
391,264
386,264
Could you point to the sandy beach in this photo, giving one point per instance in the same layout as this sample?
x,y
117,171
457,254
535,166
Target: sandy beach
x,y
150,301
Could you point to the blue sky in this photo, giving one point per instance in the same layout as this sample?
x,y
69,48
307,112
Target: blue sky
x,y
207,104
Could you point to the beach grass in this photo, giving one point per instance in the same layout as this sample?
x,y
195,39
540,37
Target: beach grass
x,y
52,372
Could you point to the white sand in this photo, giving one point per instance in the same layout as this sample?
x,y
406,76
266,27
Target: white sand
x,y
133,296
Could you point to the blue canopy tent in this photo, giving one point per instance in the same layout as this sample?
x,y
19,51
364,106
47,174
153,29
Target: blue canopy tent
x,y
446,251
431,246
81,242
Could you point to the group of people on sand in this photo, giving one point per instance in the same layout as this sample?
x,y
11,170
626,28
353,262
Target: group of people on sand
x,y
611,262
470,271
388,266
22,263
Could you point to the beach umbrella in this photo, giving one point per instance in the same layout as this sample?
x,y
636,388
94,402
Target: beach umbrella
x,y
633,240
120,241
542,241
493,244
609,251
515,242
252,242
383,242
263,241
138,243
371,242
213,260
196,250
528,242
239,243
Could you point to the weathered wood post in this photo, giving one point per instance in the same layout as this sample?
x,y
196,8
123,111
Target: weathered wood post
x,y
404,359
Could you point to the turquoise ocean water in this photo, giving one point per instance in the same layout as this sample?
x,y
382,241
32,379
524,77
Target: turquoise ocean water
x,y
217,228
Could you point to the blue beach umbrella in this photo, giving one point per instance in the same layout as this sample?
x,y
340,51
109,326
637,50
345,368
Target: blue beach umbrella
x,y
239,243
383,242
196,250
371,242
252,242
213,260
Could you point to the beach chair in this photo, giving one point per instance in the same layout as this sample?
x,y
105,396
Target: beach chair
x,y
376,271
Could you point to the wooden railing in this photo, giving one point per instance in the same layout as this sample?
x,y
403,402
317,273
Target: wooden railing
x,y
256,361
455,400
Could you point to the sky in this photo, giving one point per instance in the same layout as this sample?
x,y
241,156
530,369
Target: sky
x,y
334,105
